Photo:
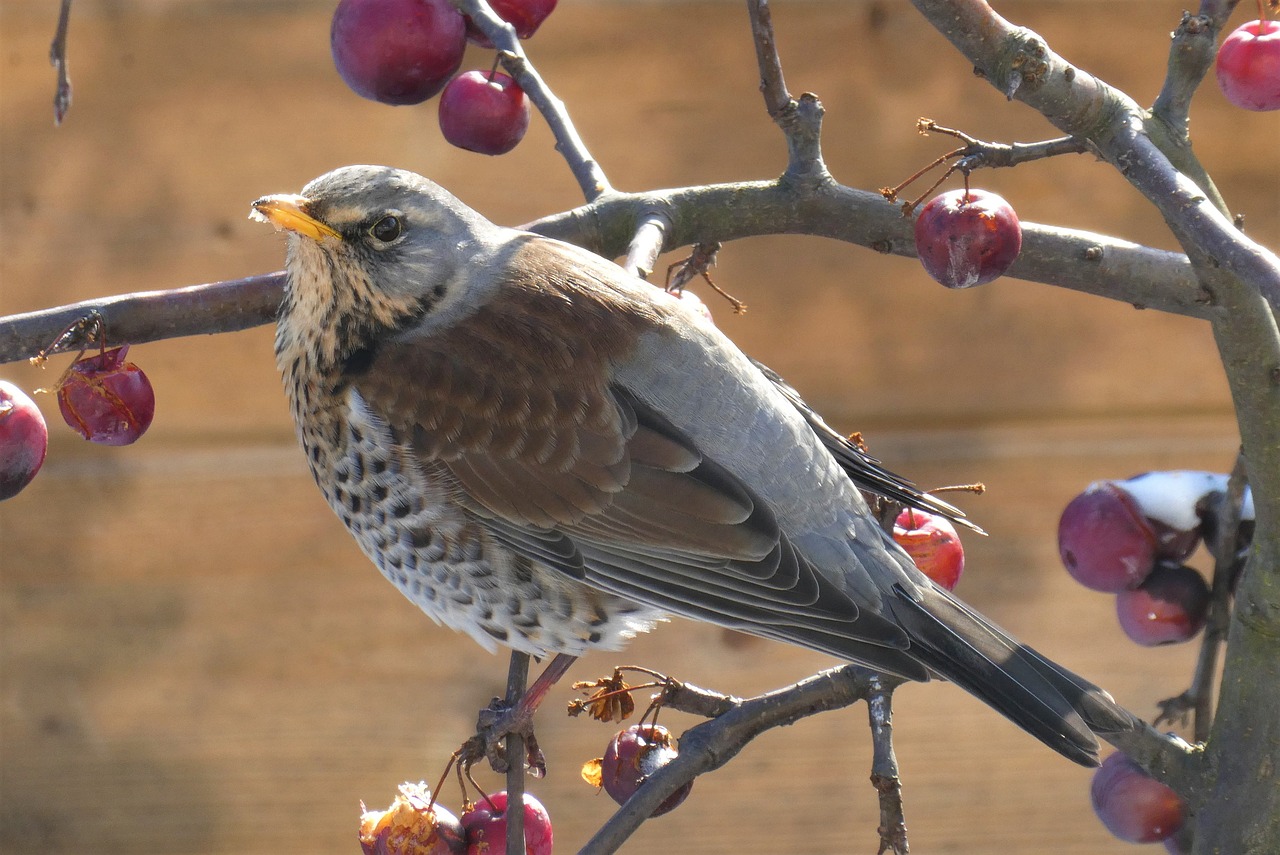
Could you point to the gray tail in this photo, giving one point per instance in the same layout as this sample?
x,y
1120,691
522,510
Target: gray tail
x,y
1060,709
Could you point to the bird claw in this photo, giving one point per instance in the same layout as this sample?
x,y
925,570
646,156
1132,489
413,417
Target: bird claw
x,y
494,725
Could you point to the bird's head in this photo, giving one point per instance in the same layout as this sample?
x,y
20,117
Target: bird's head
x,y
371,251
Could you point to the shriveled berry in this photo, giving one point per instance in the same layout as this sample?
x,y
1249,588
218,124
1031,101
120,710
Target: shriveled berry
x,y
486,826
483,112
397,51
525,15
1171,605
1132,805
24,439
1105,541
635,754
967,237
413,825
106,399
933,545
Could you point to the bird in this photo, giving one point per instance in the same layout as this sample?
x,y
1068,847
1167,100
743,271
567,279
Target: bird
x,y
547,453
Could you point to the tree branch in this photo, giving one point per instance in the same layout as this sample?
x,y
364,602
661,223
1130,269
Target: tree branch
x,y
711,744
1019,63
590,177
58,59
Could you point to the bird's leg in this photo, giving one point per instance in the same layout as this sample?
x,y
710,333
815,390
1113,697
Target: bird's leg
x,y
501,719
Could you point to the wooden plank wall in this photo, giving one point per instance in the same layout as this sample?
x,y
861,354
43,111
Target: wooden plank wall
x,y
194,658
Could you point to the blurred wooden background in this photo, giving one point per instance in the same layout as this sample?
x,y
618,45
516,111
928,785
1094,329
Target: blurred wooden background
x,y
194,657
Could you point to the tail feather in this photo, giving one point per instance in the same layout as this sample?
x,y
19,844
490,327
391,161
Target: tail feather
x,y
1049,702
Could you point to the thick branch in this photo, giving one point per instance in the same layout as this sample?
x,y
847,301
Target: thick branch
x,y
1081,261
218,307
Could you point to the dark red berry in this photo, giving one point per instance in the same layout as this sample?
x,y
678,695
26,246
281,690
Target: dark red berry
x,y
483,112
1171,605
966,238
106,399
933,545
1104,540
525,15
1132,805
632,756
1248,66
486,826
397,51
24,439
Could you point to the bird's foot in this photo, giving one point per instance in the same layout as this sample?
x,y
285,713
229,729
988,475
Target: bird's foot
x,y
503,728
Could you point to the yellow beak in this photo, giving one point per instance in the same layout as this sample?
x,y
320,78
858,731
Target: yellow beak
x,y
289,211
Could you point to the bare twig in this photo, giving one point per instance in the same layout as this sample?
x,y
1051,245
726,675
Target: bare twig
x,y
590,177
58,59
713,743
517,676
647,244
1226,570
884,771
1191,53
800,120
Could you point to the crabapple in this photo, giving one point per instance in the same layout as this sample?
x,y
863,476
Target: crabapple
x,y
1170,605
632,756
933,545
106,399
967,237
1104,540
413,825
24,439
484,112
1132,805
486,826
397,51
525,15
1248,66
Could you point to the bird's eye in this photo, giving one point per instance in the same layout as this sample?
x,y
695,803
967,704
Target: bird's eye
x,y
387,229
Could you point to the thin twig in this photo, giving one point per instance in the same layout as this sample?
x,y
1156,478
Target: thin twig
x,y
884,770
799,119
590,177
58,59
647,244
1226,569
710,745
517,676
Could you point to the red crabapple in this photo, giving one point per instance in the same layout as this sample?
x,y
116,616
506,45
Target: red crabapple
x,y
397,51
483,112
635,754
1132,805
1171,605
107,400
525,15
1248,66
413,825
486,826
967,237
24,439
1104,540
933,545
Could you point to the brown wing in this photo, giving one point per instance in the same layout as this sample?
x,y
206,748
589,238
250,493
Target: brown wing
x,y
515,403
